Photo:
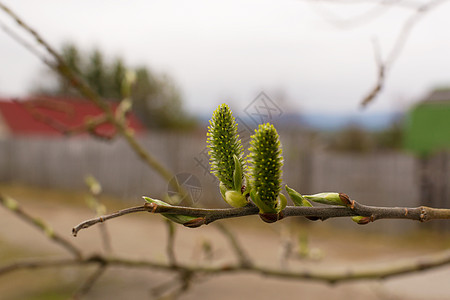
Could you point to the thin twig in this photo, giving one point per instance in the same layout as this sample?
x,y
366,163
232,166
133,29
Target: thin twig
x,y
421,213
77,82
244,259
397,48
170,248
23,42
95,190
37,264
324,274
163,288
89,282
14,206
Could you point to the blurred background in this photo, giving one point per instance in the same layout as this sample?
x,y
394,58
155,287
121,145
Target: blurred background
x,y
305,66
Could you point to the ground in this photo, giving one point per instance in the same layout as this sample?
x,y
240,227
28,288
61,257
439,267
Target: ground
x,y
143,236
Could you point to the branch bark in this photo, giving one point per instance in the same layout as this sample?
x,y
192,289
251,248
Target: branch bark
x,y
323,274
373,213
13,206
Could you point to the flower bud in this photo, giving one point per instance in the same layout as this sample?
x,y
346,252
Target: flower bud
x,y
361,220
329,198
235,198
188,221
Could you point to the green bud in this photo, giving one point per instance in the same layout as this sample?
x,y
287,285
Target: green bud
x,y
361,220
223,189
263,208
180,219
297,198
235,198
282,202
10,203
127,83
266,162
328,198
93,184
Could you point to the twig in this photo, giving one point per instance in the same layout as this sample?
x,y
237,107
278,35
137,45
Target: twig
x,y
90,125
77,82
419,10
160,289
170,248
13,206
324,274
37,264
399,44
244,259
380,8
95,190
421,213
89,282
23,42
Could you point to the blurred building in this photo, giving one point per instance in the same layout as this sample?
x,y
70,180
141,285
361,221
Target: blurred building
x,y
428,124
49,116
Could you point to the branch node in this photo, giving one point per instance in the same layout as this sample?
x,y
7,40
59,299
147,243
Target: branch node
x,y
423,214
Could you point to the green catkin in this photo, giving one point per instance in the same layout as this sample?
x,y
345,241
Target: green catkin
x,y
223,142
266,162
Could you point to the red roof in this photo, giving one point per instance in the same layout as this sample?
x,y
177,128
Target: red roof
x,y
52,116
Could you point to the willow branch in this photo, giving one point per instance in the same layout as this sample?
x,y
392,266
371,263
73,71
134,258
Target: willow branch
x,y
206,216
13,206
324,274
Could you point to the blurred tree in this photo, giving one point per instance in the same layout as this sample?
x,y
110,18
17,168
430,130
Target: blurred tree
x,y
157,100
352,139
391,138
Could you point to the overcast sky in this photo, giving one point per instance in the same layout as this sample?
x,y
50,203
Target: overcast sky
x,y
229,51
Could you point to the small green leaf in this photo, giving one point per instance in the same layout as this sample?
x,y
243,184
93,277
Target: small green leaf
x,y
282,202
297,198
223,189
180,219
237,174
263,208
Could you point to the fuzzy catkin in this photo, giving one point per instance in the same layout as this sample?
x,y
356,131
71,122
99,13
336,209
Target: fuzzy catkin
x,y
223,142
266,162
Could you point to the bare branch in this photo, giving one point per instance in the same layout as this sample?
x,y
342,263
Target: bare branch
x,y
95,189
65,71
23,42
13,206
170,248
207,216
400,42
37,264
89,282
244,259
324,274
